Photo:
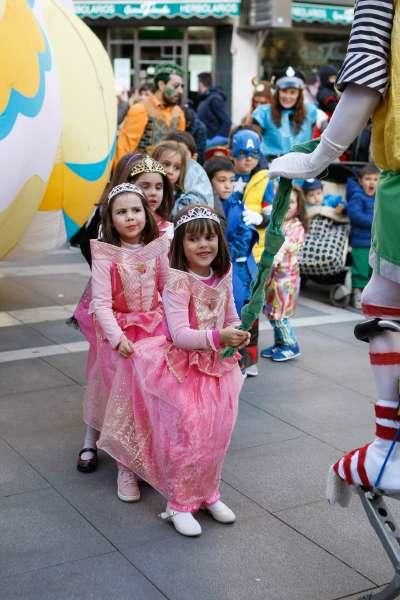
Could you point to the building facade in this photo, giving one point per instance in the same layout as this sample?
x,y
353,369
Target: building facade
x,y
235,40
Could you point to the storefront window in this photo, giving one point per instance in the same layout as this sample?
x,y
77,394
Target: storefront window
x,y
160,33
303,50
121,33
200,33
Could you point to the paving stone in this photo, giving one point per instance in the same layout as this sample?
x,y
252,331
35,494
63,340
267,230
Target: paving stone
x,y
320,411
258,558
255,427
41,412
16,475
73,365
15,295
99,578
342,531
64,288
21,336
281,474
40,529
30,375
58,332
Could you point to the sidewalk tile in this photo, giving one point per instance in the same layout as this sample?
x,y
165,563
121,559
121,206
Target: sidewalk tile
x,y
255,427
282,474
107,577
346,533
320,411
40,412
259,558
40,529
73,365
16,475
29,376
21,336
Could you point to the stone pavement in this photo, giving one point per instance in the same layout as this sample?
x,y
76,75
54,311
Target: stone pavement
x,y
65,535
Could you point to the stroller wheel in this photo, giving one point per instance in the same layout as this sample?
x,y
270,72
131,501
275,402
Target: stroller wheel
x,y
339,296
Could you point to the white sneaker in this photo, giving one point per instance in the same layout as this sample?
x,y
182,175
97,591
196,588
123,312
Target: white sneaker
x,y
127,486
252,371
184,522
221,512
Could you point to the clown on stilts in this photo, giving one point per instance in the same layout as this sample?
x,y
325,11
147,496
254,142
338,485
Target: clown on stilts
x,y
370,80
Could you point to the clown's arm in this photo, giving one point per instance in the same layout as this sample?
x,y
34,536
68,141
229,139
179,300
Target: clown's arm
x,y
364,78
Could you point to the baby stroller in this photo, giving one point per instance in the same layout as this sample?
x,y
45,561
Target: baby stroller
x,y
325,257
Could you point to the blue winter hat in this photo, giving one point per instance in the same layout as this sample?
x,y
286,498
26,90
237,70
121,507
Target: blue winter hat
x,y
309,185
246,143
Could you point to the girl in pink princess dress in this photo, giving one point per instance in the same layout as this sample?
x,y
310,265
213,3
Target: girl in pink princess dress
x,y
129,266
151,177
189,394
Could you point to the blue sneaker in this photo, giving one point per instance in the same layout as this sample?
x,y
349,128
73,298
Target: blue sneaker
x,y
269,351
283,353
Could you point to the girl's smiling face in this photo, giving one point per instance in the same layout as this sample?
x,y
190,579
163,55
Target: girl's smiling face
x,y
128,217
152,185
200,250
172,164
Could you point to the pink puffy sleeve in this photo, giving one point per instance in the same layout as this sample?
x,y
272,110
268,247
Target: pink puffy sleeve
x,y
101,303
176,306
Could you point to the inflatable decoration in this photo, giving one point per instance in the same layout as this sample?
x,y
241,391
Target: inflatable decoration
x,y
84,143
30,116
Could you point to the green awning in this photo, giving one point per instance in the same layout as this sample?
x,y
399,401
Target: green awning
x,y
322,13
156,10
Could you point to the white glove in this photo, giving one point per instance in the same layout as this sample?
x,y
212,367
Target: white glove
x,y
350,117
250,217
306,166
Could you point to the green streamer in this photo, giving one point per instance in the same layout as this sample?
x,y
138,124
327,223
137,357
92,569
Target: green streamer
x,y
274,240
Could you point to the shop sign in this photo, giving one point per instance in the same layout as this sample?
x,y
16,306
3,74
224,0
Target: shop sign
x,y
322,13
155,10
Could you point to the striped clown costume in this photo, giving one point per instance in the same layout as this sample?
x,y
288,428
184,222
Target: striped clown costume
x,y
370,80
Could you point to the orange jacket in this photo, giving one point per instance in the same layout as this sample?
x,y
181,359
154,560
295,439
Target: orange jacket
x,y
146,124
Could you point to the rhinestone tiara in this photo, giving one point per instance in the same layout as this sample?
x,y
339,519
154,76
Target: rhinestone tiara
x,y
197,212
125,187
147,165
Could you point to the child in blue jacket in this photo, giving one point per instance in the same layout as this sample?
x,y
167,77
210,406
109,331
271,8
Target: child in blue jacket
x,y
360,209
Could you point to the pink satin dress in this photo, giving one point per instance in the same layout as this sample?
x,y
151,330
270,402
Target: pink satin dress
x,y
122,298
184,417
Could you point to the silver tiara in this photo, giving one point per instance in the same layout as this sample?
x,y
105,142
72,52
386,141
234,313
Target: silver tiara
x,y
197,212
125,187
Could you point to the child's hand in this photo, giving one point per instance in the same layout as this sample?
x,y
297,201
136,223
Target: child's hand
x,y
125,347
230,336
339,209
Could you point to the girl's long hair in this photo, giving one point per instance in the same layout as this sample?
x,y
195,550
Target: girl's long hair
x,y
120,174
299,111
301,207
221,262
109,233
179,148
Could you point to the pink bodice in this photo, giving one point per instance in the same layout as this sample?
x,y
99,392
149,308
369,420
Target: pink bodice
x,y
208,304
127,285
195,310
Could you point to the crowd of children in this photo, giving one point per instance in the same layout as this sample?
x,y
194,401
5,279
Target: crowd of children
x,y
174,253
